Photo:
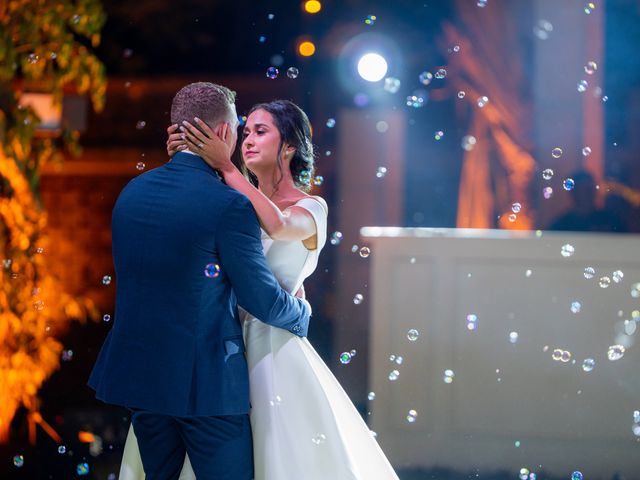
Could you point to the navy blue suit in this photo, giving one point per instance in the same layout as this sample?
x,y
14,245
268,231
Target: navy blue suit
x,y
176,347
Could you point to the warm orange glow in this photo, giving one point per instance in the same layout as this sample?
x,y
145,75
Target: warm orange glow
x,y
306,48
86,437
312,6
33,306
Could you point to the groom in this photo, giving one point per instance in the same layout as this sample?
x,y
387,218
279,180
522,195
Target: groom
x,y
187,252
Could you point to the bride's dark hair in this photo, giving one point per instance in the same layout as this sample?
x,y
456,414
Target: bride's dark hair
x,y
295,130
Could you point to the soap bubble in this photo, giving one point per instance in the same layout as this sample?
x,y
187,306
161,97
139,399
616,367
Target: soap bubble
x,y
568,184
582,86
604,282
567,250
358,298
413,335
586,151
345,358
576,307
371,396
556,152
547,174
589,273
461,94
482,101
615,352
106,280
547,192
365,252
292,72
18,461
212,270
331,122
393,375
440,74
382,171
617,276
588,364
272,73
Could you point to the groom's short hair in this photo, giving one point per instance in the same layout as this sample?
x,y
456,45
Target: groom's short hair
x,y
205,100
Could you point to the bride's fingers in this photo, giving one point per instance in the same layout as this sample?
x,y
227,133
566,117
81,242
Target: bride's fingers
x,y
176,145
175,137
187,127
191,139
204,127
172,128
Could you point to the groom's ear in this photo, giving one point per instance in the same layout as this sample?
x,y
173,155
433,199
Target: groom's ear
x,y
219,130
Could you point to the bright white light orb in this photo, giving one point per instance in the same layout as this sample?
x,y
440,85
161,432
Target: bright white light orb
x,y
372,67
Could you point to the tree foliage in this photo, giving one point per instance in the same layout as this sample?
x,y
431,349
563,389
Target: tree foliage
x,y
45,46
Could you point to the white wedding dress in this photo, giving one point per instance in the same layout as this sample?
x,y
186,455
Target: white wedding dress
x,y
304,425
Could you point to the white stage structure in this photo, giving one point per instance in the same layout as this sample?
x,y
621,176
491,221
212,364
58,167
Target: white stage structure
x,y
509,405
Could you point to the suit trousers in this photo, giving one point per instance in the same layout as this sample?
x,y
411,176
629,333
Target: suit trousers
x,y
219,448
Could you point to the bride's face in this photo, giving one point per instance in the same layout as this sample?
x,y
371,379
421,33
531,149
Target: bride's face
x,y
260,141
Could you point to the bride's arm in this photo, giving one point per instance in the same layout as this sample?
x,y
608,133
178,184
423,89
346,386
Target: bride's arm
x,y
295,223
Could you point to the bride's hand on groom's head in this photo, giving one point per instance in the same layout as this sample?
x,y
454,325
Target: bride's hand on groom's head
x,y
210,145
175,143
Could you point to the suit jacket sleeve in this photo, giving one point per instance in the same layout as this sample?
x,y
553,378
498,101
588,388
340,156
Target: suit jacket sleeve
x,y
243,261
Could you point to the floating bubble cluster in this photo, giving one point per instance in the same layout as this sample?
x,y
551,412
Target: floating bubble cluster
x,y
547,192
82,469
358,298
582,86
448,376
440,73
319,439
391,84
472,322
412,416
542,29
438,135
336,238
382,171
482,101
468,142
393,375
425,78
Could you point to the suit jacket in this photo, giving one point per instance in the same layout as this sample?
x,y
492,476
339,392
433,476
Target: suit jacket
x,y
176,343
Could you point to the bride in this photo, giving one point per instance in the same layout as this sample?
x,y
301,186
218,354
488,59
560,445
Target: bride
x,y
304,424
